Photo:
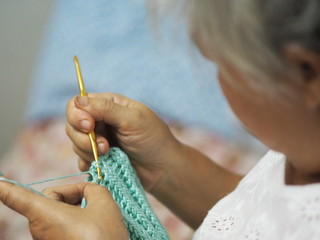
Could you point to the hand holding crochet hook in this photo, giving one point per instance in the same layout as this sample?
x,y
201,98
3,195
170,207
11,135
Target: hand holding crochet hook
x,y
114,120
167,168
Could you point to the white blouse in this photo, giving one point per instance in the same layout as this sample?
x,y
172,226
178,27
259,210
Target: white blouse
x,y
262,207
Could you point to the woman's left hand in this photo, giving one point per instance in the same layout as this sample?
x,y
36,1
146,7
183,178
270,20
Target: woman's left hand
x,y
60,217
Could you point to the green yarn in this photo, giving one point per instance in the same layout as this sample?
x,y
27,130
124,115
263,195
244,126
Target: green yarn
x,y
122,181
27,186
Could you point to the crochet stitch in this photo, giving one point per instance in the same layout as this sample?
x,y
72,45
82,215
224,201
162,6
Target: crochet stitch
x,y
122,181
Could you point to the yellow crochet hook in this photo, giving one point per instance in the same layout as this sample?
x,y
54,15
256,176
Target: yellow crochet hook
x,y
92,135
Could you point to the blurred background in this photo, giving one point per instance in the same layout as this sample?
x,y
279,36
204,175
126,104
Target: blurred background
x,y
22,25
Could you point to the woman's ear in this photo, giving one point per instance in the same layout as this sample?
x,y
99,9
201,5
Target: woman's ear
x,y
307,62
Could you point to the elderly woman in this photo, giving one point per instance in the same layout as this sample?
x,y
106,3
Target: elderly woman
x,y
268,57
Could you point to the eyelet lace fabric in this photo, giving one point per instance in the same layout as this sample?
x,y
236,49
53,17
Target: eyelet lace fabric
x,y
262,207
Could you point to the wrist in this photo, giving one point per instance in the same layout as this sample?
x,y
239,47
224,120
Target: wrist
x,y
175,158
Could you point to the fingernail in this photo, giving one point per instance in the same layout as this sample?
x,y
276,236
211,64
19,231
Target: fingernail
x,y
101,148
85,125
81,101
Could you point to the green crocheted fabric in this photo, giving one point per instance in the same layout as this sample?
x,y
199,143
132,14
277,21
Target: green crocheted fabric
x,y
122,181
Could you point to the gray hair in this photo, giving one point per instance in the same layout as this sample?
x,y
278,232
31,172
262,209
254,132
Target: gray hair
x,y
251,34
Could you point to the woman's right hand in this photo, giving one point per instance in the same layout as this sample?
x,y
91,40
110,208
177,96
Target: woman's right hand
x,y
128,124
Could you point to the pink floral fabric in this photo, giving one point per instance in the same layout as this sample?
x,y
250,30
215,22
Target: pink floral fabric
x,y
42,150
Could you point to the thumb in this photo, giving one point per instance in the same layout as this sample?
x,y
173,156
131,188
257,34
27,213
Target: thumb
x,y
107,108
100,201
20,199
97,196
101,205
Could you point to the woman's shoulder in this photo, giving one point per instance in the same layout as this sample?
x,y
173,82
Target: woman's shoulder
x,y
263,207
271,165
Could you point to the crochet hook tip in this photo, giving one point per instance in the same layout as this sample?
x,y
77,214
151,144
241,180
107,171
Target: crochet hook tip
x,y
79,76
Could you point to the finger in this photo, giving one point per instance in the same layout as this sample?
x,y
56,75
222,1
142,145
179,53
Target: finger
x,y
109,137
79,119
103,109
115,110
21,200
98,197
71,194
100,205
116,98
82,141
83,165
87,155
